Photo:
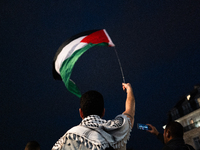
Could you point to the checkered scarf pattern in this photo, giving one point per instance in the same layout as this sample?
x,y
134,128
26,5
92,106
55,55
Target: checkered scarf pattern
x,y
97,133
95,121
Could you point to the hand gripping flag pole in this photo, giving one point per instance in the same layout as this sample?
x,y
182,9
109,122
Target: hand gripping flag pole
x,y
120,65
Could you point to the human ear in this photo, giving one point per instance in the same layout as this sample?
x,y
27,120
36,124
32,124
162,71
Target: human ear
x,y
103,113
168,134
81,113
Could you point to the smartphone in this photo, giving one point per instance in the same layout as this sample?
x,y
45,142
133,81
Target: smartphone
x,y
143,126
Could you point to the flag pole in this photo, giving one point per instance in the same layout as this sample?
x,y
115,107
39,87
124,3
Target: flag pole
x,y
120,65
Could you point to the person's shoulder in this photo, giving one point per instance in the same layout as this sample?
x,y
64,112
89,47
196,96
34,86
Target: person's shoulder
x,y
77,129
122,116
121,121
190,147
183,147
166,147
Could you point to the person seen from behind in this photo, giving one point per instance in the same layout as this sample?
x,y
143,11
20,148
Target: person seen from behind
x,y
96,133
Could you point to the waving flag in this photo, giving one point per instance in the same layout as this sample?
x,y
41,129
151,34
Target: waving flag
x,y
69,52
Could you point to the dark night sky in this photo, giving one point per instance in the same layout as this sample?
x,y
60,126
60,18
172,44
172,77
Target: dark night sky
x,y
158,43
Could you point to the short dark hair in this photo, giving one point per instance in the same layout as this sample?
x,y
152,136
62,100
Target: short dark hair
x,y
92,103
175,128
32,145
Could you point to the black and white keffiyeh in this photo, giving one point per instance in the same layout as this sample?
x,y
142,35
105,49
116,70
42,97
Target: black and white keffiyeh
x,y
97,133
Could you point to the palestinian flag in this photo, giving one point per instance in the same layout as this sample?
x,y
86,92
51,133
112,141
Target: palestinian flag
x,y
69,52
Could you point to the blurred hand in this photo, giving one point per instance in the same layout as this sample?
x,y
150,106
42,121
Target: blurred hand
x,y
153,130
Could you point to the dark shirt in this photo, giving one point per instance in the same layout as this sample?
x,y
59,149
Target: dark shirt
x,y
175,144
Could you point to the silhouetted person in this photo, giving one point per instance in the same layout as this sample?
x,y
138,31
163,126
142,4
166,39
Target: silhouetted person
x,y
96,133
172,136
32,145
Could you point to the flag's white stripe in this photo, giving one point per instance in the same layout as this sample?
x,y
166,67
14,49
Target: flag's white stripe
x,y
110,41
67,51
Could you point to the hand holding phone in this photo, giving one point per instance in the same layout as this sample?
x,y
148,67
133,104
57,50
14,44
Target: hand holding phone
x,y
141,126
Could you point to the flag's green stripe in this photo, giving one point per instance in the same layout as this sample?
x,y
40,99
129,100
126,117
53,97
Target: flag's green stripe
x,y
68,64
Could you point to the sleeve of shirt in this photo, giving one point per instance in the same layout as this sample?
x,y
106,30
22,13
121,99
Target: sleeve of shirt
x,y
120,127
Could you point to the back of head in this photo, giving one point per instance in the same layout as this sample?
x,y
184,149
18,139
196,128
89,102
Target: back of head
x,y
32,145
92,103
176,129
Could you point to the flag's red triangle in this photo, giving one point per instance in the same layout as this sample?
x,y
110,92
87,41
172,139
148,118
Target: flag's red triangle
x,y
96,38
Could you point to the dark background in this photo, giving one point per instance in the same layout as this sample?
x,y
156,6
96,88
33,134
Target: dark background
x,y
158,43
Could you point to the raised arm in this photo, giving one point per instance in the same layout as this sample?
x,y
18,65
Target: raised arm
x,y
130,102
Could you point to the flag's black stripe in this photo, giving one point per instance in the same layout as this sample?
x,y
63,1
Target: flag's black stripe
x,y
57,76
